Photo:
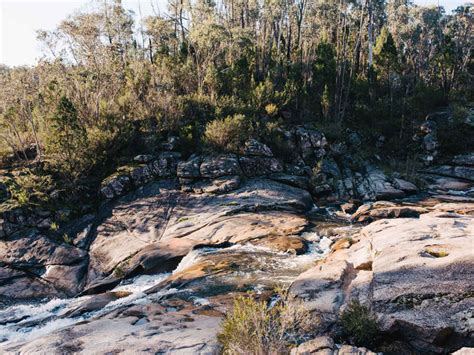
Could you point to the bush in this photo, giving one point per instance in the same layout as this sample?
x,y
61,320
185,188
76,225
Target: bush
x,y
28,188
359,325
228,134
253,327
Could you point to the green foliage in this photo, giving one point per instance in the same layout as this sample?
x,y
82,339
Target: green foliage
x,y
252,327
68,144
359,324
105,89
385,51
228,134
28,188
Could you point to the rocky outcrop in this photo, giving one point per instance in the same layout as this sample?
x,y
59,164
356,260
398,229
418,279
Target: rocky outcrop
x,y
160,213
149,168
328,171
414,273
462,172
146,231
32,265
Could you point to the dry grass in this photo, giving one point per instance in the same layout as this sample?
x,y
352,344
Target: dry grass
x,y
254,327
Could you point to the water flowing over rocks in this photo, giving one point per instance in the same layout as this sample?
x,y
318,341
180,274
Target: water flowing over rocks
x,y
177,239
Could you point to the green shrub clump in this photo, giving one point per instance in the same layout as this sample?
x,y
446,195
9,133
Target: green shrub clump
x,y
228,134
359,325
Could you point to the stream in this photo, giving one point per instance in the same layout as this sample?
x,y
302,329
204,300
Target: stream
x,y
248,268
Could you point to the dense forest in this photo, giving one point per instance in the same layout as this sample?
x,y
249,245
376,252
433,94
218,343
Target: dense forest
x,y
112,84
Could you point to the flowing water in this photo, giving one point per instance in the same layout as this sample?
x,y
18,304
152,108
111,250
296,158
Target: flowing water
x,y
251,267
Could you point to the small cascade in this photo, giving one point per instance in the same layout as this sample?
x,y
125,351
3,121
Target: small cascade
x,y
258,267
30,321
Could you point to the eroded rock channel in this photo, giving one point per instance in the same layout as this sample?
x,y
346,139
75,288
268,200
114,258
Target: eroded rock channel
x,y
156,269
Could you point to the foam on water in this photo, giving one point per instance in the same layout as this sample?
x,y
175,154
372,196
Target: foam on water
x,y
29,321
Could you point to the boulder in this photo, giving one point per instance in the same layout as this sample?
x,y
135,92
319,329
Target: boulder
x,y
141,175
165,165
380,187
143,158
94,303
284,244
21,285
256,148
189,169
311,143
220,165
404,186
79,230
160,213
353,350
293,180
260,166
115,186
171,143
33,263
141,328
373,211
219,185
320,345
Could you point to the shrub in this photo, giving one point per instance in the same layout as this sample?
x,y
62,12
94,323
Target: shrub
x,y
359,324
253,327
228,134
28,188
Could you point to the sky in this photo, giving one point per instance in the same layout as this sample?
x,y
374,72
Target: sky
x,y
19,20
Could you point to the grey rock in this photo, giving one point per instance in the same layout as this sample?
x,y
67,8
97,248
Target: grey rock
x,y
293,180
216,186
311,143
45,223
319,345
404,185
115,186
256,148
165,165
44,266
143,158
463,172
382,209
171,144
414,273
155,213
215,166
141,175
94,303
80,230
464,159
260,166
190,168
